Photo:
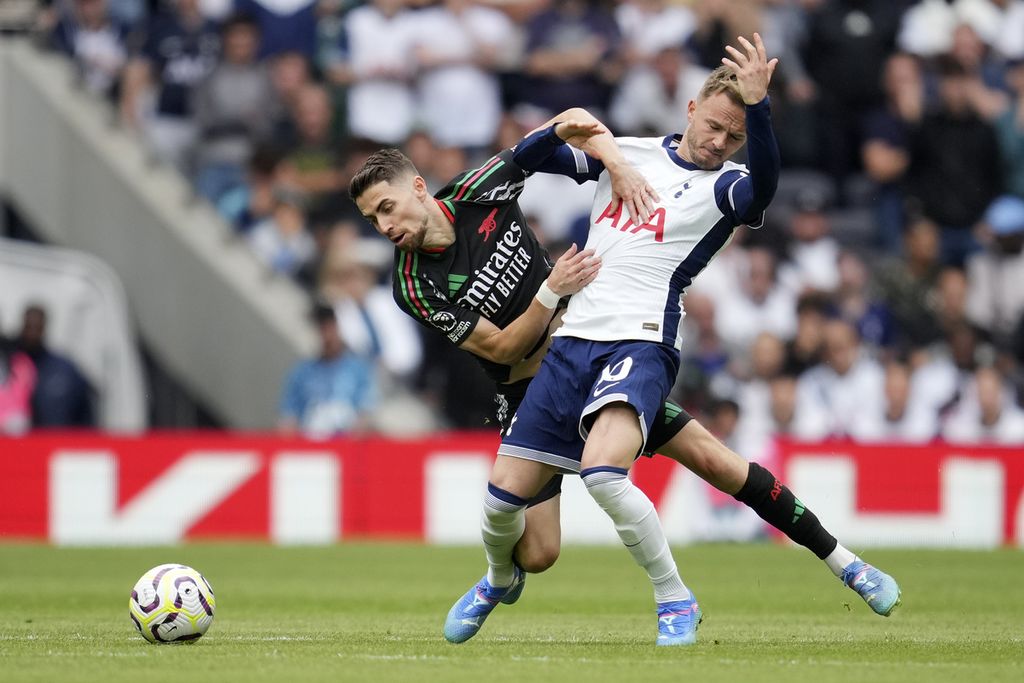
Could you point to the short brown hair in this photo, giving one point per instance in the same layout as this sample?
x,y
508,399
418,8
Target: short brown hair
x,y
722,79
383,166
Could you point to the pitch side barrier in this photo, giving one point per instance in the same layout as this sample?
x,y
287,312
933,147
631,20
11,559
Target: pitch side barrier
x,y
87,489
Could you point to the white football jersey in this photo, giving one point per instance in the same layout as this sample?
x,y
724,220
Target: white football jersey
x,y
646,268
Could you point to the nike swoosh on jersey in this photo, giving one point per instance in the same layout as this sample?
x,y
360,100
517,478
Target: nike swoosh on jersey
x,y
601,390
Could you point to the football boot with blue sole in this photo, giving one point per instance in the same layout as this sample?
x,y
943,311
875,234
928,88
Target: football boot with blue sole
x,y
468,614
878,589
678,622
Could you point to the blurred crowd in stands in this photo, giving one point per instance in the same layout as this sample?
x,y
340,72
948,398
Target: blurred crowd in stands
x,y
882,301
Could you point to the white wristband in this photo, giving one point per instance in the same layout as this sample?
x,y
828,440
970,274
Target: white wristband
x,y
546,297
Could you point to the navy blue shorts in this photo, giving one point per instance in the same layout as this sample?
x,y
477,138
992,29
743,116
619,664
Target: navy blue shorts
x,y
577,378
669,421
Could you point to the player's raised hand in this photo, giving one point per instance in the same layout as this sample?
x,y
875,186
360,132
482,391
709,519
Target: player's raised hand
x,y
576,132
629,186
752,67
573,271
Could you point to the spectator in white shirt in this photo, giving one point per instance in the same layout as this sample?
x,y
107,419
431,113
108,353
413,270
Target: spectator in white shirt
x,y
649,26
458,46
653,96
813,253
844,391
995,277
903,420
88,33
757,441
660,77
1009,39
378,66
767,355
927,27
282,240
988,413
758,304
371,325
946,370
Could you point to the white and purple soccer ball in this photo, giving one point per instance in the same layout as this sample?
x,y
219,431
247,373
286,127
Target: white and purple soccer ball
x,y
172,603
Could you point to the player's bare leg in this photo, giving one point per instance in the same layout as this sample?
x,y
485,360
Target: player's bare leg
x,y
611,447
513,482
541,542
698,450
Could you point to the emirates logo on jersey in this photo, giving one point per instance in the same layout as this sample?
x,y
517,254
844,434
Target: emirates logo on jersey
x,y
488,226
490,286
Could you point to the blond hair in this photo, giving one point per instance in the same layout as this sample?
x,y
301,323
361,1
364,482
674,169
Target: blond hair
x,y
722,79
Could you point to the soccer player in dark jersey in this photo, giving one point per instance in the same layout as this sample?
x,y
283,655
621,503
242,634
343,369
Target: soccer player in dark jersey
x,y
616,353
467,265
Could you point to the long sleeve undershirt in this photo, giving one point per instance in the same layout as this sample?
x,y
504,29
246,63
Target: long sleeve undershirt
x,y
751,193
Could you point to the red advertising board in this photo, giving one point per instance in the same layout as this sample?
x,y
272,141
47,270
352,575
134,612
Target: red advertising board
x,y
379,484
163,488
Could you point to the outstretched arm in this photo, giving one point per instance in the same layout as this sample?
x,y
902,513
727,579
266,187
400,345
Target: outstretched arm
x,y
591,149
752,194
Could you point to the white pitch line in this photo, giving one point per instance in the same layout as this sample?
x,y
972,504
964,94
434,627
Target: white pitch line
x,y
409,658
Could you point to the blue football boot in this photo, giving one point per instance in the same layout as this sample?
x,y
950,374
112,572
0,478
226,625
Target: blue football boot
x,y
678,622
878,589
468,614
513,592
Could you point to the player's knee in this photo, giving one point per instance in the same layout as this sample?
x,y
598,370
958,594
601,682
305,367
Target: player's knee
x,y
538,557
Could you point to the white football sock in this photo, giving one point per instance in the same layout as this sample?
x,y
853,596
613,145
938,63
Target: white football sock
x,y
501,525
839,559
637,524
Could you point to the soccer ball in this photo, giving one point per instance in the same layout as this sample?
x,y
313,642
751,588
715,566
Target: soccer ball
x,y
172,603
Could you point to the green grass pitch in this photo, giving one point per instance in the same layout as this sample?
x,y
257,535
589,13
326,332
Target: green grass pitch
x,y
373,612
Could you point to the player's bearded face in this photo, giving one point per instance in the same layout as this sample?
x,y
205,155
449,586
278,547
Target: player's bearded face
x,y
415,237
397,212
717,129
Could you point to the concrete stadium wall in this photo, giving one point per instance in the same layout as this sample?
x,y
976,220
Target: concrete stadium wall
x,y
4,90
211,313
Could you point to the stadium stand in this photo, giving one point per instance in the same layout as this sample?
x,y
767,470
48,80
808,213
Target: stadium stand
x,y
209,311
864,92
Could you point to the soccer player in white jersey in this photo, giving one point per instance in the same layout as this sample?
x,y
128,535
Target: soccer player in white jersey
x,y
590,407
